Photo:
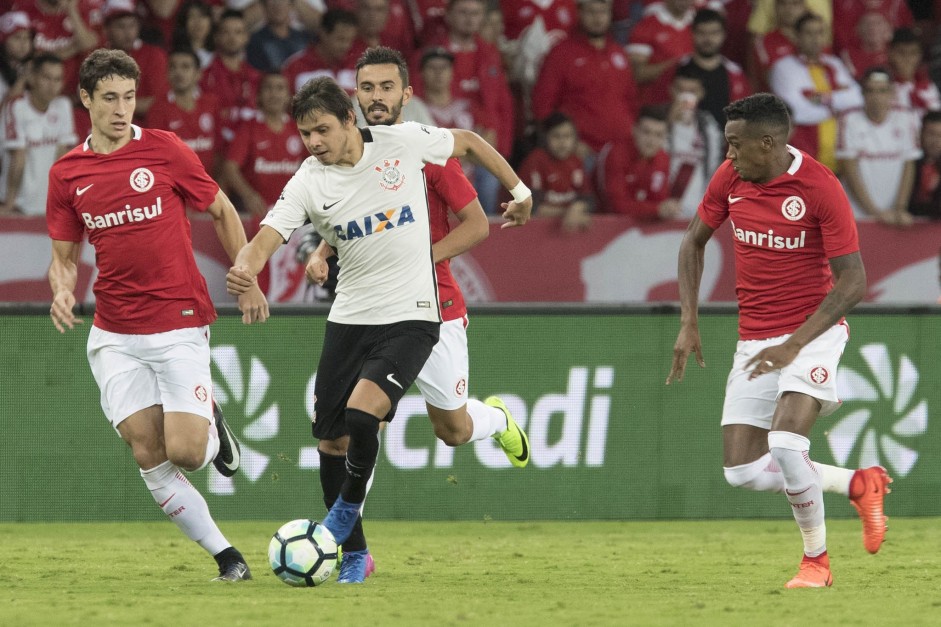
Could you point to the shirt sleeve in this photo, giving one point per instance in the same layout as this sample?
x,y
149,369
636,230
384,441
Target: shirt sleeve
x,y
714,208
61,220
289,213
430,143
190,177
837,224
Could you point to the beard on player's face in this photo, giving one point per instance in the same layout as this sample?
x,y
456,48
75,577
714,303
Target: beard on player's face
x,y
378,114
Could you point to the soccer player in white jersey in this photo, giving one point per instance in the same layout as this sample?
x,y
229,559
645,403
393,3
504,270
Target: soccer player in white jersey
x,y
798,273
364,191
382,91
127,189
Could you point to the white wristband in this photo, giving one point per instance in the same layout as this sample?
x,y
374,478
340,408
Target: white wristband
x,y
520,192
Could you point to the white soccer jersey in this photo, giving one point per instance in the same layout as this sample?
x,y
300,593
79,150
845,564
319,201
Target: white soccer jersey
x,y
40,134
881,150
375,214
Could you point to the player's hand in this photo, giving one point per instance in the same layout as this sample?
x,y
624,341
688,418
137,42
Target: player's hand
x,y
517,213
686,342
254,306
238,280
770,359
317,269
61,311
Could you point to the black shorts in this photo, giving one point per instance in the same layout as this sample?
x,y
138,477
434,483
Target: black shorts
x,y
389,355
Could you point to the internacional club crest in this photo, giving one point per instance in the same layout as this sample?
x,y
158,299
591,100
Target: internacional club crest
x,y
793,208
391,177
142,179
818,375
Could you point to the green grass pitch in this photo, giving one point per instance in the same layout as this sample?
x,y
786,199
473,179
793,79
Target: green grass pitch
x,y
689,573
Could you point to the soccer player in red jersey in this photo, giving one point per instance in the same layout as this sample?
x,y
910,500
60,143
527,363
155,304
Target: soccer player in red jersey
x,y
798,273
127,188
383,89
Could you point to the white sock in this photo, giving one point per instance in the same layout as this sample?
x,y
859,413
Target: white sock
x,y
184,505
834,479
761,475
487,420
802,488
212,445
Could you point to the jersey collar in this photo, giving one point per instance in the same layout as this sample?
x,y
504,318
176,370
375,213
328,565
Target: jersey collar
x,y
798,160
135,136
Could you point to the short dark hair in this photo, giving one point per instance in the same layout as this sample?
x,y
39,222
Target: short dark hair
x,y
334,17
556,118
322,94
230,14
382,55
930,117
688,71
187,51
103,63
653,112
44,58
803,19
904,35
708,16
764,109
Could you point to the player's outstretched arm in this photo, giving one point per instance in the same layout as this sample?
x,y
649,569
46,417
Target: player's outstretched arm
x,y
63,275
517,211
689,270
849,287
474,228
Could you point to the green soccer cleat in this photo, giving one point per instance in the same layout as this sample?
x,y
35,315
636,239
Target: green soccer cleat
x,y
513,441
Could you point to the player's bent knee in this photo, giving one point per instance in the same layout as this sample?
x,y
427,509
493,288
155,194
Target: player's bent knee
x,y
451,426
186,457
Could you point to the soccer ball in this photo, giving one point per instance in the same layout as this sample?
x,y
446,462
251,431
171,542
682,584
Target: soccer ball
x,y
302,553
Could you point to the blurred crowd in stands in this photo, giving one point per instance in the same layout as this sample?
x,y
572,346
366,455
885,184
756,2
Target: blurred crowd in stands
x,y
603,106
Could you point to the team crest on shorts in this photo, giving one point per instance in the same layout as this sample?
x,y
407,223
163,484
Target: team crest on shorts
x,y
793,208
142,179
392,178
818,375
200,393
461,387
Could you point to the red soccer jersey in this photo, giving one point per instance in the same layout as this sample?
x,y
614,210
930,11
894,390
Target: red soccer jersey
x,y
236,91
559,182
132,205
659,37
768,48
632,185
593,87
308,63
557,17
267,159
199,129
784,231
152,62
448,189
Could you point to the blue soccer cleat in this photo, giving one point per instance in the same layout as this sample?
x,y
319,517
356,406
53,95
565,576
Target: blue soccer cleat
x,y
341,519
355,567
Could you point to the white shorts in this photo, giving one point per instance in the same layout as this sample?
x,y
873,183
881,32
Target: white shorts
x,y
813,372
443,379
134,372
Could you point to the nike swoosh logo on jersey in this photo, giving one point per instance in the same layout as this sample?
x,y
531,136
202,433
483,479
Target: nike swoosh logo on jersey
x,y
391,379
735,199
327,207
81,190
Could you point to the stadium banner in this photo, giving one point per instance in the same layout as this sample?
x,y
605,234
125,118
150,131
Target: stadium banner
x,y
615,261
609,440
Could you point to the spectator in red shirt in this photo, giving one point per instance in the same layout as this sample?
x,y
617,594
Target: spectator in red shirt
x,y
587,76
331,56
723,80
557,175
914,89
657,44
267,149
229,76
847,14
634,177
926,192
871,47
767,48
376,27
122,30
188,111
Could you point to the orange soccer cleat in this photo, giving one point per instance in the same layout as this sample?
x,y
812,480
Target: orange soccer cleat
x,y
814,572
867,493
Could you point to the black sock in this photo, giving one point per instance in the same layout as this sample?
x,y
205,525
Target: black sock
x,y
332,476
227,556
361,454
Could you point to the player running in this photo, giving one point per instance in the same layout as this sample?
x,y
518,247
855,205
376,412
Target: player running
x,y
798,273
364,192
127,188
